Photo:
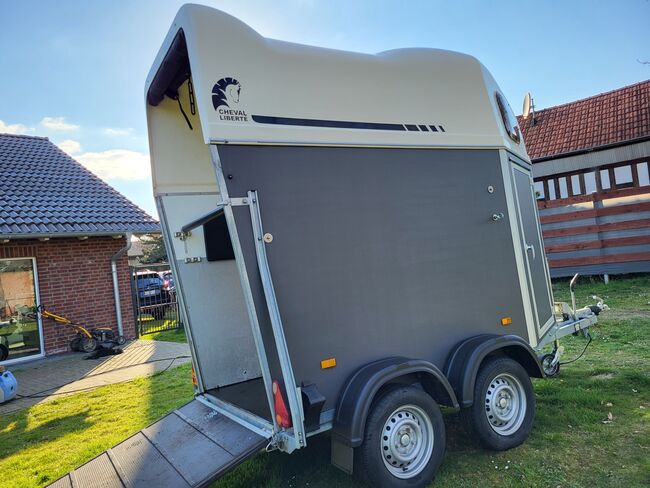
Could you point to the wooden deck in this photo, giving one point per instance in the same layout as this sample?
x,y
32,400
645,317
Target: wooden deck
x,y
190,447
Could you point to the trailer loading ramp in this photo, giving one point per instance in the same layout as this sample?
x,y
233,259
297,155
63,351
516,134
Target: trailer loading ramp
x,y
190,447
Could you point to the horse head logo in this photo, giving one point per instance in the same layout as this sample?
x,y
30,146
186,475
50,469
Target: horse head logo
x,y
225,91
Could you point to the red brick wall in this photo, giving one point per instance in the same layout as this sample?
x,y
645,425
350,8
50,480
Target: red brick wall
x,y
74,279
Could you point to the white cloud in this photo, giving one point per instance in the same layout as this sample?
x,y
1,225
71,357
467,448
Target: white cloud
x,y
14,128
117,164
58,123
69,146
117,131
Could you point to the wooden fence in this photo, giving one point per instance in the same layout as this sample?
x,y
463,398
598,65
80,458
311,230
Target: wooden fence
x,y
603,232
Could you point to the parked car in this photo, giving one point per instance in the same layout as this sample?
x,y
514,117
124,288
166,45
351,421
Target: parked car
x,y
152,295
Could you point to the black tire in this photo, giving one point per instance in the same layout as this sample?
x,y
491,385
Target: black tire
x,y
120,341
393,408
75,344
87,344
549,369
501,379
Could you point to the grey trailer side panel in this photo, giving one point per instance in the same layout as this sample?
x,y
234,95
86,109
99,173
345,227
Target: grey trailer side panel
x,y
365,251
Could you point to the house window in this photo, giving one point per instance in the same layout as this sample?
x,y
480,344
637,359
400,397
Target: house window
x,y
551,189
539,190
623,176
20,331
564,189
604,179
590,182
576,188
642,171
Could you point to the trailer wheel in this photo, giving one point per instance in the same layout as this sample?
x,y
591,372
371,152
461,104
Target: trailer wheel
x,y
504,405
550,369
404,440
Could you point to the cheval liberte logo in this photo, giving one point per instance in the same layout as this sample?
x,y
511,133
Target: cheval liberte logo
x,y
225,96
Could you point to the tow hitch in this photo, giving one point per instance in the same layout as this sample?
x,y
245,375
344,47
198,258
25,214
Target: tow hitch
x,y
568,320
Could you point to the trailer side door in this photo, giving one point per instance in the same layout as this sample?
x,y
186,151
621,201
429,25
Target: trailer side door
x,y
533,248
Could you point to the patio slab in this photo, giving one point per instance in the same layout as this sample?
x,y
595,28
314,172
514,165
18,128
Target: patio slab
x,y
48,378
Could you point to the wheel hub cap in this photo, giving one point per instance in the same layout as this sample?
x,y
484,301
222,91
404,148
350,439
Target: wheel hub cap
x,y
407,441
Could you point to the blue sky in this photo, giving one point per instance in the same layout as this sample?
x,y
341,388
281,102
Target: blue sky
x,y
74,70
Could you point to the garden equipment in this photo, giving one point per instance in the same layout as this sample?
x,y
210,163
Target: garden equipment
x,y
86,340
8,385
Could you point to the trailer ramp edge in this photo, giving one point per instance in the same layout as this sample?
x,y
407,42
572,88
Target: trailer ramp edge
x,y
190,447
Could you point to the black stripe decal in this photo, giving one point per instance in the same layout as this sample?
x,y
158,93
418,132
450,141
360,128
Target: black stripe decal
x,y
338,124
433,128
423,128
411,127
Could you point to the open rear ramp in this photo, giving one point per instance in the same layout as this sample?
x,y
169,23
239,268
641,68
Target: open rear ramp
x,y
190,447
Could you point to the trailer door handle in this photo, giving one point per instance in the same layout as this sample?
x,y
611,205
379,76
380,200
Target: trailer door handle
x,y
530,247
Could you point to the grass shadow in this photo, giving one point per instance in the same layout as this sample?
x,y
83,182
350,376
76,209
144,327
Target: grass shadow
x,y
17,434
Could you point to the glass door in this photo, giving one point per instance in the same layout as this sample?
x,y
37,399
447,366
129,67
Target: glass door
x,y
20,329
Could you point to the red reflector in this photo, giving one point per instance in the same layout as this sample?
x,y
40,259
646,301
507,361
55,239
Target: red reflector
x,y
281,412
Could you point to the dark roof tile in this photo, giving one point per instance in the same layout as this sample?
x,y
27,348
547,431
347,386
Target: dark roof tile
x,y
45,191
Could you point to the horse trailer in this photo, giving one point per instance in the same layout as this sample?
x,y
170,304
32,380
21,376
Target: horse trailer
x,y
355,242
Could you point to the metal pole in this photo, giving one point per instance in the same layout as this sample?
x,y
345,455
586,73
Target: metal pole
x,y
116,283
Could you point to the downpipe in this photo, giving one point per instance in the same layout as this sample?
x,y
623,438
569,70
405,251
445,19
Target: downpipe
x,y
116,283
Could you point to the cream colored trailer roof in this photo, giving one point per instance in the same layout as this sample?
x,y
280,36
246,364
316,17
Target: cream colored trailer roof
x,y
250,89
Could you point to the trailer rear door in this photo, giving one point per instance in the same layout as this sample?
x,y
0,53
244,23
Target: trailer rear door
x,y
190,447
533,249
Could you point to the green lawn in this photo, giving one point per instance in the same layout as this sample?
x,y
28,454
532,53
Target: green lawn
x,y
159,329
174,335
574,442
43,442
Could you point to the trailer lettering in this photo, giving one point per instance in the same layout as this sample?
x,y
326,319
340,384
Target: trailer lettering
x,y
232,115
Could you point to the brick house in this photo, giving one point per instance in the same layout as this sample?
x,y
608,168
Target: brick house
x,y
590,166
61,230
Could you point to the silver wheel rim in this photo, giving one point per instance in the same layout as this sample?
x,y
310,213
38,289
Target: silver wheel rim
x,y
547,365
505,404
407,441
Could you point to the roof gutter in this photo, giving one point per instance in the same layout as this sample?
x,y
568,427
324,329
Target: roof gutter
x,y
116,283
57,235
590,149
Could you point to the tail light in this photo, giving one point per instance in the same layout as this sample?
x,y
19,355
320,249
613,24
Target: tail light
x,y
194,380
281,413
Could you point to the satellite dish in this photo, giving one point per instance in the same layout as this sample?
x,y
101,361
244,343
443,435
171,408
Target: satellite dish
x,y
527,105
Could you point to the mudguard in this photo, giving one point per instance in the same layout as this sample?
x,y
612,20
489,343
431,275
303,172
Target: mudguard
x,y
362,386
465,360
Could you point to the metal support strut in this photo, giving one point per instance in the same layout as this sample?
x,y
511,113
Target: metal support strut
x,y
293,393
